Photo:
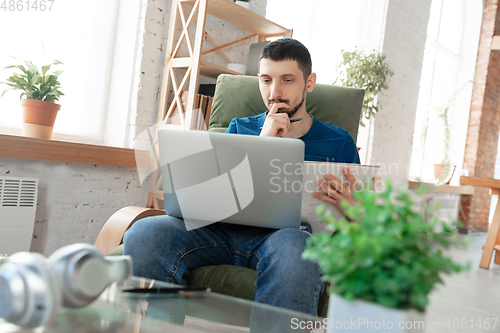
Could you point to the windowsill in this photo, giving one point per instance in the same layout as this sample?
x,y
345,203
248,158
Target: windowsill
x,y
15,146
444,188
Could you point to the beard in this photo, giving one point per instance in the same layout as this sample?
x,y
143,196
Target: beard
x,y
290,112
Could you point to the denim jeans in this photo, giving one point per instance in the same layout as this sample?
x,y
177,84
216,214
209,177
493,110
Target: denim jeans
x,y
162,249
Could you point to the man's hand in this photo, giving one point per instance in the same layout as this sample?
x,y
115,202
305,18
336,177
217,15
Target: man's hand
x,y
335,191
276,124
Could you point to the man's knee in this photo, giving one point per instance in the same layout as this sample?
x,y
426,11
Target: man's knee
x,y
283,250
147,232
288,242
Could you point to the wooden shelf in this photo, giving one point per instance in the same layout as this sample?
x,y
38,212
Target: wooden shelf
x,y
191,15
241,17
62,151
212,70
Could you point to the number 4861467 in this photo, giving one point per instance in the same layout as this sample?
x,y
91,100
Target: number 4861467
x,y
26,5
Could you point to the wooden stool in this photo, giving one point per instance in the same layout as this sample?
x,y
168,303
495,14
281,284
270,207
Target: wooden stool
x,y
493,236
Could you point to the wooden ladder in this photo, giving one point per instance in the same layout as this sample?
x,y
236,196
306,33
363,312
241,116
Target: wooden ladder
x,y
493,237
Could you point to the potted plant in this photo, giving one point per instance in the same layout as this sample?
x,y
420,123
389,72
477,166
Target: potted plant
x,y
367,71
443,172
383,265
39,92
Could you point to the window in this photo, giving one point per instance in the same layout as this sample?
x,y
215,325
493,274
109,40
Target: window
x,y
326,28
446,81
83,36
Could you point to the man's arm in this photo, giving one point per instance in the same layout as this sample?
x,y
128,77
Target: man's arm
x,y
335,191
232,127
349,152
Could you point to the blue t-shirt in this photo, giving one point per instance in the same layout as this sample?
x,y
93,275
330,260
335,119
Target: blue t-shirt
x,y
323,142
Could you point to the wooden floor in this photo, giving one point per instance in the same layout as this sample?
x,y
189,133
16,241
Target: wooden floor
x,y
467,300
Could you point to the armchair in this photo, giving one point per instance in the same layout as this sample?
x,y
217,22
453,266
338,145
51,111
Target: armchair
x,y
239,96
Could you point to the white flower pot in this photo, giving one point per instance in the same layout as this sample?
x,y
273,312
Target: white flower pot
x,y
243,4
367,317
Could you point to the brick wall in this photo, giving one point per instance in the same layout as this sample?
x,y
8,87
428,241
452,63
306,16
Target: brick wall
x,y
484,120
75,200
404,43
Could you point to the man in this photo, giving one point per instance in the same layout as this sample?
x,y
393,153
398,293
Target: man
x,y
162,248
285,78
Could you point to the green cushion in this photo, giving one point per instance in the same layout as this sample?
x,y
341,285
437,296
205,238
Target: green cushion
x,y
117,251
225,279
239,96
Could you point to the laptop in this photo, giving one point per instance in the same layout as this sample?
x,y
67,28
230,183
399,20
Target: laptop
x,y
240,179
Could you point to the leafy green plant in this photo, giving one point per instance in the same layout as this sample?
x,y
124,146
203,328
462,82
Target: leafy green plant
x,y
35,84
367,71
390,255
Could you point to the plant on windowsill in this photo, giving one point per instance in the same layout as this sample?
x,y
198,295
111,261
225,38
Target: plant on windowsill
x,y
39,92
384,264
367,71
444,171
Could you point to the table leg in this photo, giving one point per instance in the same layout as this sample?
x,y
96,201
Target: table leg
x,y
497,252
491,239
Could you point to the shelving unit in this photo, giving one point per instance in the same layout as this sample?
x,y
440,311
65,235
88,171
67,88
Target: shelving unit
x,y
188,13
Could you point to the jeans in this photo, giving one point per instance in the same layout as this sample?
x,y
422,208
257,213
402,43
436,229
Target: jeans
x,y
162,249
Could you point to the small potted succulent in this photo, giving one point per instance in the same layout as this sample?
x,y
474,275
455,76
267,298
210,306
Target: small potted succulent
x,y
383,264
39,92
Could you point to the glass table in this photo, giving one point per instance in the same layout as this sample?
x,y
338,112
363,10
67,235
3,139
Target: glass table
x,y
117,311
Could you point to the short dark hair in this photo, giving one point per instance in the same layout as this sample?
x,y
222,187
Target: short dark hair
x,y
288,49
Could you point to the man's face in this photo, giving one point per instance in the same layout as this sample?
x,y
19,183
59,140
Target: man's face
x,y
282,82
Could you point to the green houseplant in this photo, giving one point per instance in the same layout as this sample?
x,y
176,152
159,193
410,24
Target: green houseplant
x,y
39,92
367,71
388,260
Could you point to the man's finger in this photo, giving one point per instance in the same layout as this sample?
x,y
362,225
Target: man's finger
x,y
330,191
326,198
334,182
337,195
276,106
350,178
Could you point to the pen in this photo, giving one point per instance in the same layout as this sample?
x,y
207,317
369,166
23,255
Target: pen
x,y
292,121
167,290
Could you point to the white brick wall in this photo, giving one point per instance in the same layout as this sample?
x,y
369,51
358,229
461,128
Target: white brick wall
x,y
75,200
404,43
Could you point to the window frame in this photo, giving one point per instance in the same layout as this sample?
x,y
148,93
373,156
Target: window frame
x,y
114,129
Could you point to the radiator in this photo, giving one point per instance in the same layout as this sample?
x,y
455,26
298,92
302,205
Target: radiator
x,y
18,198
449,204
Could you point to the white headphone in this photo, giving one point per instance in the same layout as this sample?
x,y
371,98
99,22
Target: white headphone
x,y
32,287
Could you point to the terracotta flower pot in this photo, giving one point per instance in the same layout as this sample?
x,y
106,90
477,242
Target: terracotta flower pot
x,y
444,173
39,118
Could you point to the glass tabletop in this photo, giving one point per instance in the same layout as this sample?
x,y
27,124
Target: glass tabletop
x,y
118,311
